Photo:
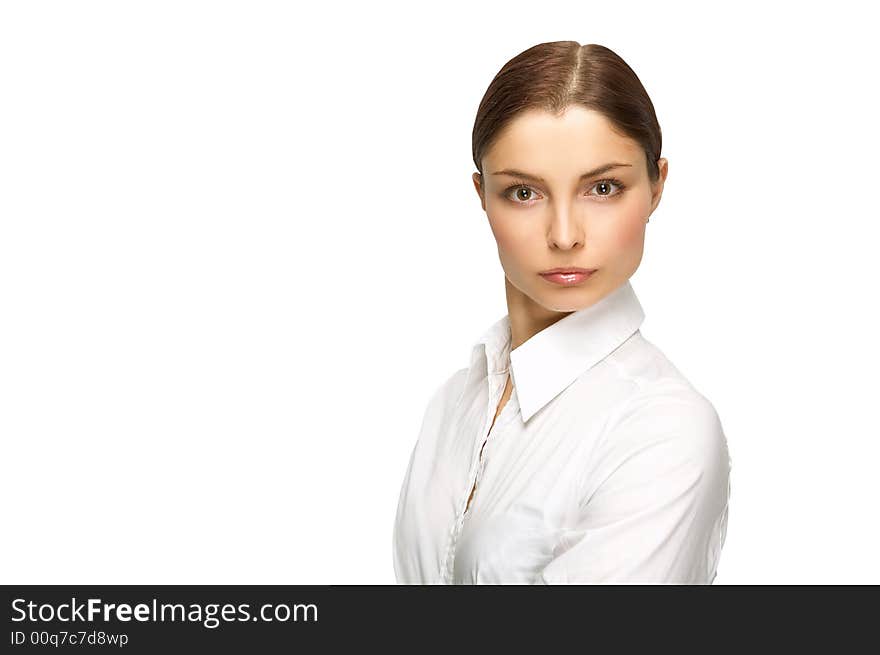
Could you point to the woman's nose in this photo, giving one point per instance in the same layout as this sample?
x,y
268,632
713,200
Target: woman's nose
x,y
566,229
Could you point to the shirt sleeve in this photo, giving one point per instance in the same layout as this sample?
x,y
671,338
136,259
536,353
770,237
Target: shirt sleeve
x,y
654,502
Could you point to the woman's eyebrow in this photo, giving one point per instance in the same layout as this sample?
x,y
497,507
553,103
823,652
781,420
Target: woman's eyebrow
x,y
596,171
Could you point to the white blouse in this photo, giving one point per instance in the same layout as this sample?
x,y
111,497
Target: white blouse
x,y
605,465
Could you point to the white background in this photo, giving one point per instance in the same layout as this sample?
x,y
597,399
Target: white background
x,y
240,248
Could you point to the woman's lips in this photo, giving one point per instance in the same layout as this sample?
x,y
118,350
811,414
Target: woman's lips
x,y
568,278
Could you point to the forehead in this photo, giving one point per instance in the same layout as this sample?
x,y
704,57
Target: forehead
x,y
538,140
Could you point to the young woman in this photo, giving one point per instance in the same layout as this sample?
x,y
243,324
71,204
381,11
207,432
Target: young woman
x,y
570,450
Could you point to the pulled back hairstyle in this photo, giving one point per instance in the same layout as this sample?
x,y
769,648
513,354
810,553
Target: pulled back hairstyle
x,y
551,76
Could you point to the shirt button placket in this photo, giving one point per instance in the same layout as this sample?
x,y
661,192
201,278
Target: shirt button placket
x,y
457,526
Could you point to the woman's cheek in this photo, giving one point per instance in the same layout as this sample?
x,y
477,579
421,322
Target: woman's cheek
x,y
496,224
515,247
629,233
506,234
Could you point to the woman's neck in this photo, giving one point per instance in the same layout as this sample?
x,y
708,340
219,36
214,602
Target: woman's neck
x,y
527,318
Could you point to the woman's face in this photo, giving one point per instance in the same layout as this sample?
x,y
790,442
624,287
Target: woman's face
x,y
544,215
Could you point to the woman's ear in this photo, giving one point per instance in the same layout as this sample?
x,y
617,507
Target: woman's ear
x,y
478,185
657,187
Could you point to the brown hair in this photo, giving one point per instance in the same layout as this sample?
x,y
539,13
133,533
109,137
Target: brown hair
x,y
551,76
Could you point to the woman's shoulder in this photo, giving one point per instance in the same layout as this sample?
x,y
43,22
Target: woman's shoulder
x,y
446,395
671,427
663,406
439,408
642,361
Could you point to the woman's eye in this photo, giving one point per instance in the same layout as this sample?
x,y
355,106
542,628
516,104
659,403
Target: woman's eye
x,y
523,195
603,188
520,194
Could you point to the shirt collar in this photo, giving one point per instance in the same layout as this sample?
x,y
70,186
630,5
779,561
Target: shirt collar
x,y
552,359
